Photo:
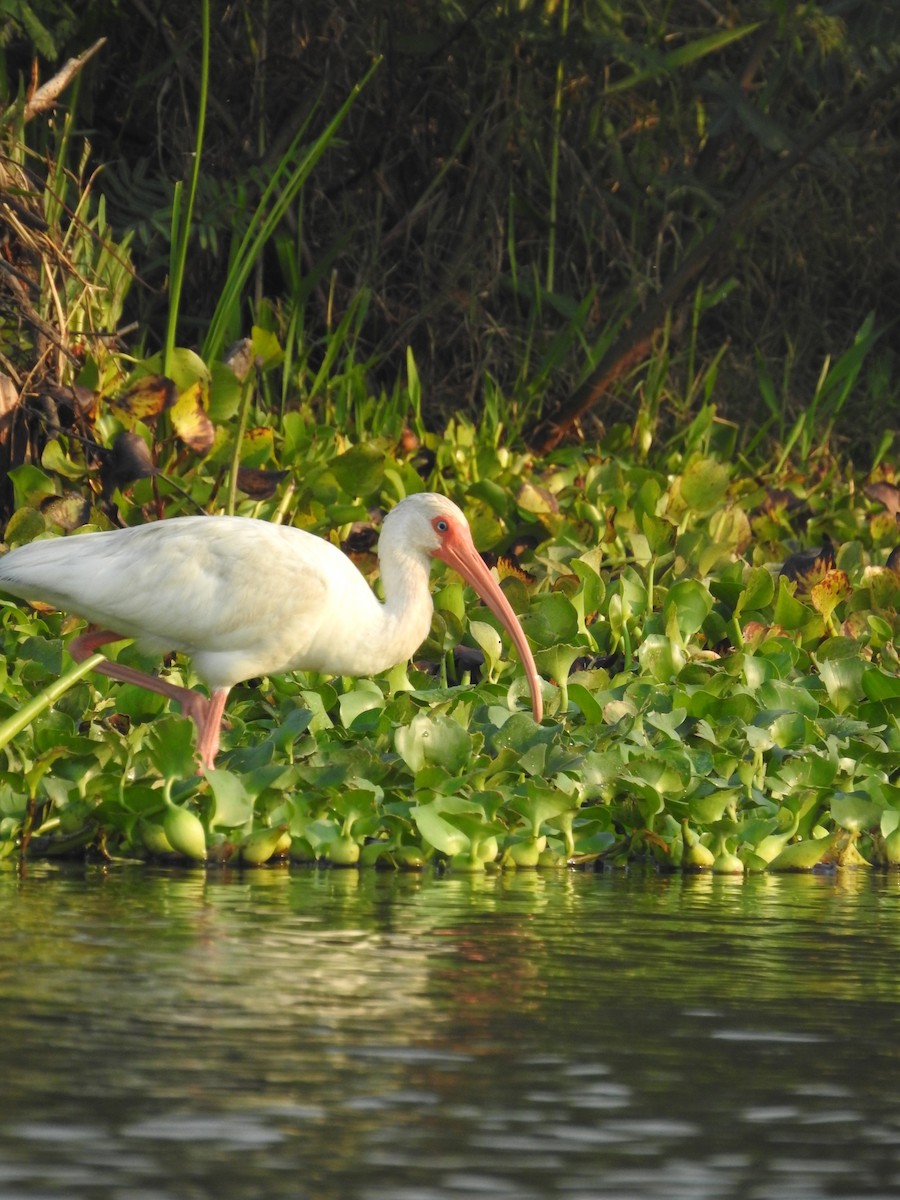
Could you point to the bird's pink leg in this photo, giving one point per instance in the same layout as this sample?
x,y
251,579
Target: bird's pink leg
x,y
208,733
206,714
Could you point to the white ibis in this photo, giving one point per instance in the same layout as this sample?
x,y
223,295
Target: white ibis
x,y
244,597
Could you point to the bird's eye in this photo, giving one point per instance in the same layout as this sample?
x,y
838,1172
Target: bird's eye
x,y
440,525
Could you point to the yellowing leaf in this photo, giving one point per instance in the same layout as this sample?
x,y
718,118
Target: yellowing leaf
x,y
508,569
189,418
533,499
833,587
256,446
145,399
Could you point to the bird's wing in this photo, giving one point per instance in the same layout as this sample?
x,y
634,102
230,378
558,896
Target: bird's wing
x,y
191,583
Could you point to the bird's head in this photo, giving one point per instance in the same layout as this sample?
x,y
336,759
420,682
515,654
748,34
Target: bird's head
x,y
435,526
428,523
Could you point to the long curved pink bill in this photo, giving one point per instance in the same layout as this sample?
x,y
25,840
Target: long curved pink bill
x,y
460,554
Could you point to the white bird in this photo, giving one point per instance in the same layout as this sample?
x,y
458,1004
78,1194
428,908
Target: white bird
x,y
242,597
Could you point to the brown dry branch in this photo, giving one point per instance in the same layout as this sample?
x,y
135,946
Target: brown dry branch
x,y
48,93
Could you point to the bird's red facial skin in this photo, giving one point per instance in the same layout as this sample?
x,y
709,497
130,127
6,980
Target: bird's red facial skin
x,y
453,541
441,527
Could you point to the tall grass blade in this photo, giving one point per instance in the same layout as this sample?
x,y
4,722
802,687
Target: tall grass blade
x,y
274,202
49,695
682,57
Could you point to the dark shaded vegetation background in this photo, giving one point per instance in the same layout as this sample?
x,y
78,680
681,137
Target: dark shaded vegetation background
x,y
519,183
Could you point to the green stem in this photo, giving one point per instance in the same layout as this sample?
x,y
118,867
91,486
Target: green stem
x,y
23,718
238,444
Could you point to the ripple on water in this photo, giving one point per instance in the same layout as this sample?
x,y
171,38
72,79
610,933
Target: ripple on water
x,y
301,1035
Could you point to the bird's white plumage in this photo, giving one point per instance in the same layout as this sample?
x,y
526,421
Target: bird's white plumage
x,y
241,597
244,598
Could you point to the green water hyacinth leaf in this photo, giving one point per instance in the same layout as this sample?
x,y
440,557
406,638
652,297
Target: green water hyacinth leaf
x,y
757,593
808,771
538,500
483,845
46,654
639,547
489,643
730,531
519,734
451,598
755,669
668,723
153,837
55,460
803,856
690,601
261,844
587,705
434,740
892,847
704,810
703,485
24,525
360,470
555,662
443,834
781,696
877,684
544,761
854,812
590,595
695,856
354,804
634,592
365,696
551,619
658,533
771,845
843,681
525,852
447,631
185,832
790,730
319,703
30,486
666,775
540,805
493,495
660,657
343,851
789,612
233,807
644,499
295,723
171,747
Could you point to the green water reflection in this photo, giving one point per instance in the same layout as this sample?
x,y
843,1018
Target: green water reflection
x,y
343,1034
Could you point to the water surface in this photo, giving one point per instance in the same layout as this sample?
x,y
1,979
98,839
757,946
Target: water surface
x,y
358,1035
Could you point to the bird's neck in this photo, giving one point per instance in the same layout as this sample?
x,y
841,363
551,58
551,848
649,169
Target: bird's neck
x,y
408,606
